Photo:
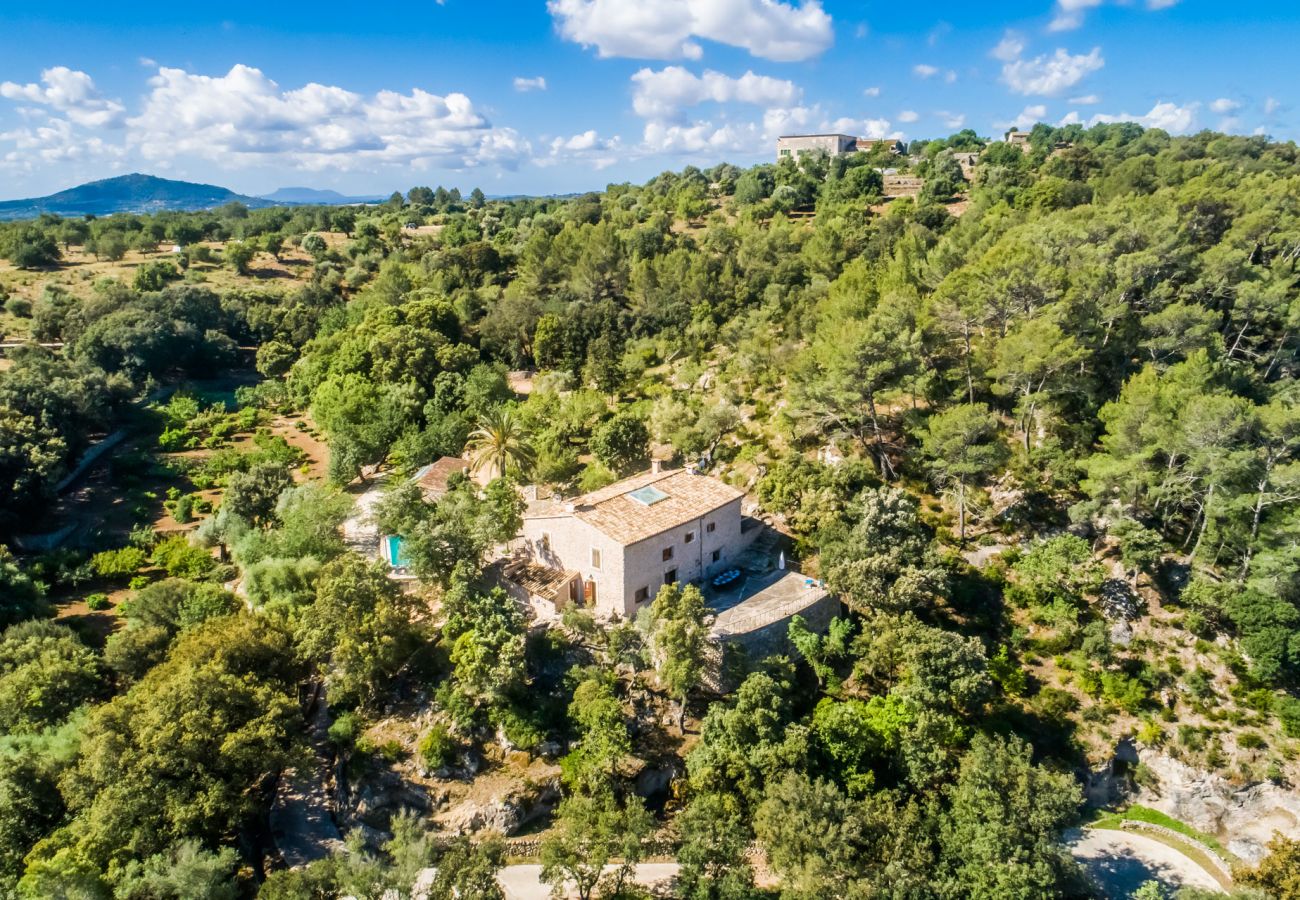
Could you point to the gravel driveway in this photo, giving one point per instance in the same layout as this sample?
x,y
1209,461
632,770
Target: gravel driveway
x,y
1120,861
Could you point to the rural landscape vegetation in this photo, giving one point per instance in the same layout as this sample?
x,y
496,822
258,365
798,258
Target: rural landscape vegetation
x,y
1033,425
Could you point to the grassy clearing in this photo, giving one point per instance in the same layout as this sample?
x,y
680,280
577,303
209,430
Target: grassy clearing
x,y
1138,813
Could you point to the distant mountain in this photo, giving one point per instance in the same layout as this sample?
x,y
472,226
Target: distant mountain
x,y
311,196
133,193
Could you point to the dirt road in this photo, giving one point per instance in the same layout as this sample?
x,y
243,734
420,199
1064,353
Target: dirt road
x,y
1121,861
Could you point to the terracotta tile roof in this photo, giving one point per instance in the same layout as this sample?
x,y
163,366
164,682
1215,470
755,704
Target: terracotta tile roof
x,y
432,479
539,581
627,520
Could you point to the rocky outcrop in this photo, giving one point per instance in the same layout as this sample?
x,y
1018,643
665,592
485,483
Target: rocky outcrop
x,y
506,814
1243,817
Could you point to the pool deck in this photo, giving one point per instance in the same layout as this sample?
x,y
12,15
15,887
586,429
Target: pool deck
x,y
761,600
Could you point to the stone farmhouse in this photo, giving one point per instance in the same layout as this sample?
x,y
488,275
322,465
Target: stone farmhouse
x,y
795,145
612,549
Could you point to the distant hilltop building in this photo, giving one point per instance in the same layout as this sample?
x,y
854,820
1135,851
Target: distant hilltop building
x,y
1019,139
795,145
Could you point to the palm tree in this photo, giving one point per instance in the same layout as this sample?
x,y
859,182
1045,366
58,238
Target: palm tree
x,y
497,442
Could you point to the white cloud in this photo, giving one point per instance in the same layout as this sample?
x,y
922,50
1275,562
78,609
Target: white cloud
x,y
951,120
665,94
524,85
908,115
69,92
1085,100
921,70
1050,74
1069,14
664,29
1228,124
1165,115
871,92
1224,105
697,137
871,129
53,141
1009,48
243,116
1026,118
1070,118
1271,105
588,147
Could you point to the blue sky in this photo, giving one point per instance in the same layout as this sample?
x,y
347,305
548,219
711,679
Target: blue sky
x,y
537,96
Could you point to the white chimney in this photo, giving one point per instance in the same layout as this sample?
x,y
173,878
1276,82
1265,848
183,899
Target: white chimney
x,y
654,466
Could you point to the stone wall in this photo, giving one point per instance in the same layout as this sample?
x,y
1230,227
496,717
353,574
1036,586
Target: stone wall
x,y
773,638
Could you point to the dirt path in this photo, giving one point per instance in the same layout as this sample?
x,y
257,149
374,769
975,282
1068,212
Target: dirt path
x,y
1121,861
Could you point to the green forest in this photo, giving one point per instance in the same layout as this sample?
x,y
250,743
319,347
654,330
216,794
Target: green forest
x,y
1036,427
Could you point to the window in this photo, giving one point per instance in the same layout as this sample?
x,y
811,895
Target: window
x,y
690,536
670,577
642,594
710,528
717,555
668,554
595,559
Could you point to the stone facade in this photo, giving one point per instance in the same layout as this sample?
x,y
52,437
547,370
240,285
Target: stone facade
x,y
623,553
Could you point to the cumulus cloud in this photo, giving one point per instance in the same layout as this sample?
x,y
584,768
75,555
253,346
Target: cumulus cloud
x,y
871,92
922,70
770,29
71,93
1026,118
244,116
1049,75
1164,115
1224,105
1085,100
908,115
588,147
53,141
1271,105
665,94
524,85
1009,48
951,120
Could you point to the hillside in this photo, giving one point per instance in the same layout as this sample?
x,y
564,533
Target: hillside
x,y
315,196
1034,431
134,193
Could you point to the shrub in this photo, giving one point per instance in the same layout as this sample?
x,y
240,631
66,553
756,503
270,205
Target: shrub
x,y
1150,733
182,559
343,731
437,748
118,563
98,602
1251,740
1288,713
1056,703
1007,672
19,307
183,509
138,582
